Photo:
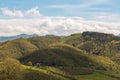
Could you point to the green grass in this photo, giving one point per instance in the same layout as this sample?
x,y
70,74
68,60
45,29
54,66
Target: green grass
x,y
73,39
100,75
110,73
34,68
55,72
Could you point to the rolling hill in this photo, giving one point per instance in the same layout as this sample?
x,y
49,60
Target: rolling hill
x,y
87,53
16,48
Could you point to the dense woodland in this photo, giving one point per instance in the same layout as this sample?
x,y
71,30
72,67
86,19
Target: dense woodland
x,y
74,57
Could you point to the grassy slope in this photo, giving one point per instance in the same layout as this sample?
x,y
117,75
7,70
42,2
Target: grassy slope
x,y
43,42
17,48
97,75
100,43
58,55
47,71
100,75
66,55
74,39
20,47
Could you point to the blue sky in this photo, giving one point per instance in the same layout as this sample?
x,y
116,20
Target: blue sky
x,y
89,9
59,17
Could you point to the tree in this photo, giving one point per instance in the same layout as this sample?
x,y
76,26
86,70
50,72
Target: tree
x,y
10,69
29,63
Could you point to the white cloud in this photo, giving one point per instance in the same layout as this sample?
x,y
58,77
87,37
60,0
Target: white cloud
x,y
55,25
10,13
34,12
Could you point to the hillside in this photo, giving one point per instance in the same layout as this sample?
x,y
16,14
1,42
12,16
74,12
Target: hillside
x,y
96,43
52,73
66,55
70,58
44,41
16,48
73,39
76,39
21,46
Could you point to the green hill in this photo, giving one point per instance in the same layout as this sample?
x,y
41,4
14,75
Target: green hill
x,y
16,48
101,37
73,39
66,55
44,41
73,57
106,45
60,55
20,47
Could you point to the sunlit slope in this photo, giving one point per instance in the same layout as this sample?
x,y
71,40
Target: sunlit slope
x,y
16,48
44,41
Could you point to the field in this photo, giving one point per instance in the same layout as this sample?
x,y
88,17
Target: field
x,y
100,75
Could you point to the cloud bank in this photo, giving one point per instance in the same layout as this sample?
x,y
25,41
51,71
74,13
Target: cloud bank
x,y
55,25
42,25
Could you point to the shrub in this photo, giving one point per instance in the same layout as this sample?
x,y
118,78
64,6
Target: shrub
x,y
10,69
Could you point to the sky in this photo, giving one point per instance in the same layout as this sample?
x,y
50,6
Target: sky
x,y
59,17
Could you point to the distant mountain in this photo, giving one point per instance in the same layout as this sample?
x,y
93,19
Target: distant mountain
x,y
55,35
4,38
118,35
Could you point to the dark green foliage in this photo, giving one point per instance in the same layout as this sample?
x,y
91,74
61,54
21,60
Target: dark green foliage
x,y
92,47
116,58
77,70
113,51
58,56
101,37
113,48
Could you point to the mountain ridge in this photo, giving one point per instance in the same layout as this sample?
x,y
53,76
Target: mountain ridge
x,y
6,38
